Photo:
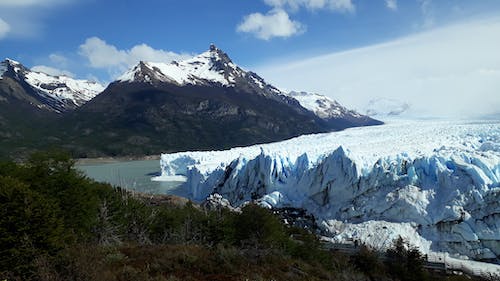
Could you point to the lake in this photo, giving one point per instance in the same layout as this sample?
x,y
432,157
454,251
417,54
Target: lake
x,y
133,175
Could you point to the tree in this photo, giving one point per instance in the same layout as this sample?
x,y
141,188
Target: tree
x,y
259,227
368,262
29,227
53,175
405,261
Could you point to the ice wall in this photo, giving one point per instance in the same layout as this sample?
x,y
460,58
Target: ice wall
x,y
443,184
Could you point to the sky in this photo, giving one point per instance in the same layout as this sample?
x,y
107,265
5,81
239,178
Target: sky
x,y
439,56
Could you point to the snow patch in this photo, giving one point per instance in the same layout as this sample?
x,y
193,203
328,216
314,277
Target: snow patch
x,y
63,88
322,106
60,91
206,67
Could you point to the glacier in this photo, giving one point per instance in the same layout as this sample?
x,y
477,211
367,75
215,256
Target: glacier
x,y
435,183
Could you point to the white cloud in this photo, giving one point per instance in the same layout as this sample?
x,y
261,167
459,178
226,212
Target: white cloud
x,y
52,71
4,28
26,17
58,59
391,4
275,23
103,55
342,6
450,71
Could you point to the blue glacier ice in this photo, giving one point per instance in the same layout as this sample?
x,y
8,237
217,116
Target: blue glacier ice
x,y
435,183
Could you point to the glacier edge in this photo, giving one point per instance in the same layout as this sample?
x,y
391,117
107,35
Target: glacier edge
x,y
443,196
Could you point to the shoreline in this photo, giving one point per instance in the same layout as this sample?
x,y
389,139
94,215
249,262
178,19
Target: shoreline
x,y
110,160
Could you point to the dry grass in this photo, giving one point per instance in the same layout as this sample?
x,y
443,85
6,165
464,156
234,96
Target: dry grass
x,y
190,262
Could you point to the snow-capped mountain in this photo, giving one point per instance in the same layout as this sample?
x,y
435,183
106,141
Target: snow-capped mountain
x,y
214,67
330,110
436,184
55,93
208,69
322,106
211,67
206,102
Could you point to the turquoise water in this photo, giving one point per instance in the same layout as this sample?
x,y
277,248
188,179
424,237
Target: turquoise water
x,y
133,175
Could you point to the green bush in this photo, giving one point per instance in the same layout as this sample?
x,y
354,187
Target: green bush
x,y
30,226
259,227
405,262
53,174
369,262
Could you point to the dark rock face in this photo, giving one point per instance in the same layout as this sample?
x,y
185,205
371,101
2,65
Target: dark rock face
x,y
23,119
190,117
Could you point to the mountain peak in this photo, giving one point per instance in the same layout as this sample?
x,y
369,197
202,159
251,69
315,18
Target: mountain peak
x,y
11,62
55,93
215,54
212,66
11,65
323,106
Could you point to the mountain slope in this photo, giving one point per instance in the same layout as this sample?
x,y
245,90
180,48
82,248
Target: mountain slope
x,y
336,115
53,93
23,122
31,105
206,102
135,117
203,103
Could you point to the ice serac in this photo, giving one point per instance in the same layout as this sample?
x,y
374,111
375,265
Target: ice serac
x,y
54,93
435,183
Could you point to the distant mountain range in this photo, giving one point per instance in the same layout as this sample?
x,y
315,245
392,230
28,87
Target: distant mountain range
x,y
206,102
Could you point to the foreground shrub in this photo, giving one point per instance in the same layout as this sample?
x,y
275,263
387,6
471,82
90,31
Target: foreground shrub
x,y
369,262
29,227
405,262
258,227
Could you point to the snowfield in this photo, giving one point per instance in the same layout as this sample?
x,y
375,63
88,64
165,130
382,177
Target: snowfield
x,y
59,92
64,88
203,68
435,183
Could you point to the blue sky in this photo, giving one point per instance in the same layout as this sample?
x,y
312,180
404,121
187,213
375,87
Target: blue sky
x,y
101,39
